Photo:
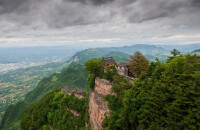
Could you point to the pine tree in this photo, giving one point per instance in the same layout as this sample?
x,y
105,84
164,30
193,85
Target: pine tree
x,y
138,63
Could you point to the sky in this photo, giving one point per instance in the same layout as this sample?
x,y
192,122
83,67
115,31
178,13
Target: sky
x,y
98,22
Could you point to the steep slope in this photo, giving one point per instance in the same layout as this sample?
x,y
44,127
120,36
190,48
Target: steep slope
x,y
57,110
14,85
75,75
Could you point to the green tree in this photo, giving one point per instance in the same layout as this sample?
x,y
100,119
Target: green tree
x,y
166,96
173,54
110,72
138,63
95,66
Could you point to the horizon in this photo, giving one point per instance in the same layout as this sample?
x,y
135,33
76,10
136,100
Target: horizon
x,y
98,46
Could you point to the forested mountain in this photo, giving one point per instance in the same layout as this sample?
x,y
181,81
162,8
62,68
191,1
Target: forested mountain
x,y
198,50
143,48
53,112
187,48
74,75
14,85
166,96
175,81
121,53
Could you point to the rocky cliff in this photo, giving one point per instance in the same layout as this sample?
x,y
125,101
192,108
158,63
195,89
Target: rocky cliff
x,y
98,107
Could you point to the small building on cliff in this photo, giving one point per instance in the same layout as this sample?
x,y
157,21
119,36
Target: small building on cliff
x,y
77,92
123,69
108,61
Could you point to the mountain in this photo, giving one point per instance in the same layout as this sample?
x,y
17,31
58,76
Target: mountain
x,y
198,50
143,48
166,96
57,110
121,53
183,48
74,75
14,85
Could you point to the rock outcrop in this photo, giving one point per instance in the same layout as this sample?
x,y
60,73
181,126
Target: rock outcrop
x,y
98,107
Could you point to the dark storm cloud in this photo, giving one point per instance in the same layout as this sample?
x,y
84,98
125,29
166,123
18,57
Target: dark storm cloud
x,y
7,6
195,2
99,18
94,2
154,9
68,13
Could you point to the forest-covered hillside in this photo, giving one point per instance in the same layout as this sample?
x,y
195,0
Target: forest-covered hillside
x,y
166,96
121,53
14,85
74,75
57,110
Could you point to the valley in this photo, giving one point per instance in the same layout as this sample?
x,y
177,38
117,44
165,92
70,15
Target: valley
x,y
14,85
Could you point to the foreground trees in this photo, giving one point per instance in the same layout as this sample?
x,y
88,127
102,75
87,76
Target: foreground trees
x,y
95,66
53,112
166,96
138,63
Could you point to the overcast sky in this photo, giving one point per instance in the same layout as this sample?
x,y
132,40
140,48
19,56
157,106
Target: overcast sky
x,y
99,22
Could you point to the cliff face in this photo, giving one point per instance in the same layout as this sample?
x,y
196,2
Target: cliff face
x,y
98,107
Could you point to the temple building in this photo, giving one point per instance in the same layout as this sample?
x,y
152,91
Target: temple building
x,y
123,69
108,61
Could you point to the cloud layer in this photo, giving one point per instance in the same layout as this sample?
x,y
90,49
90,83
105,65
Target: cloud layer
x,y
99,22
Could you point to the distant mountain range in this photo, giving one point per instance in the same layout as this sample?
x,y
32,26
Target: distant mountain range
x,y
198,50
183,48
123,53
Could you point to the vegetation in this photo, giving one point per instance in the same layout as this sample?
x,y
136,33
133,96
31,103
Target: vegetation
x,y
75,75
166,96
174,53
14,85
55,111
95,66
122,53
138,63
110,72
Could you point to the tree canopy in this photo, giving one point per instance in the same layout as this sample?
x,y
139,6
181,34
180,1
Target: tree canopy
x,y
166,96
173,54
95,66
138,63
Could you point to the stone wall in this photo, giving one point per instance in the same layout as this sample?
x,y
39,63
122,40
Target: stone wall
x,y
98,107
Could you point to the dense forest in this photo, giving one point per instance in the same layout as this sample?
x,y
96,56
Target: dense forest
x,y
166,96
74,75
52,112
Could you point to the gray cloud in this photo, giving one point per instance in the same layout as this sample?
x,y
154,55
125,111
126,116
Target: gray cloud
x,y
98,19
7,6
94,2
